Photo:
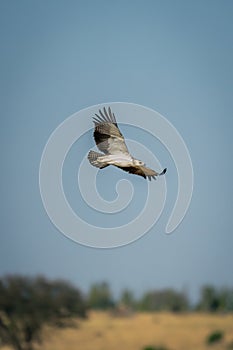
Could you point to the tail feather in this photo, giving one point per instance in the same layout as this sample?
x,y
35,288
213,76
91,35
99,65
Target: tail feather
x,y
93,158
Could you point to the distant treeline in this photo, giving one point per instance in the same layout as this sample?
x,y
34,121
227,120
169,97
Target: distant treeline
x,y
211,299
27,304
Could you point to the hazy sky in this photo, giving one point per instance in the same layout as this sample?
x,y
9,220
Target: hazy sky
x,y
58,57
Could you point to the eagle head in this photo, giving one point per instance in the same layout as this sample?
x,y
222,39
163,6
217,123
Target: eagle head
x,y
138,162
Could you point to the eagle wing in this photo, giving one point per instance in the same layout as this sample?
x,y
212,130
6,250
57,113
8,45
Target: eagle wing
x,y
107,135
143,171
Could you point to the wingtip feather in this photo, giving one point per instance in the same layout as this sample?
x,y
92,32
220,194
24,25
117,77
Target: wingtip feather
x,y
105,116
163,172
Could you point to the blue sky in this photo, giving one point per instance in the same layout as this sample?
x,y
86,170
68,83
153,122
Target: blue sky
x,y
58,57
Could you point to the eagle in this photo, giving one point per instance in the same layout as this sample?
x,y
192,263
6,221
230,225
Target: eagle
x,y
111,142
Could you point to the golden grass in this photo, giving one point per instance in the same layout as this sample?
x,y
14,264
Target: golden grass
x,y
101,331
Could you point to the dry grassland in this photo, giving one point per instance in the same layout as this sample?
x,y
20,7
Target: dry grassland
x,y
101,331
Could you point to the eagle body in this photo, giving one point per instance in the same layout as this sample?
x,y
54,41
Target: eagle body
x,y
117,160
111,143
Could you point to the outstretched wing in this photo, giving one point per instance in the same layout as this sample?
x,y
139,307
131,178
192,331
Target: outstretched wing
x,y
143,171
107,135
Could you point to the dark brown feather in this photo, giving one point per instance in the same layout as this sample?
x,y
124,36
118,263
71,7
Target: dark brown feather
x,y
142,171
107,135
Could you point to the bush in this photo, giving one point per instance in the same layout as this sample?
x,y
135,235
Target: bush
x,y
214,337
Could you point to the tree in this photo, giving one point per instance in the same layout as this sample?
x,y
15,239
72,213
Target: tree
x,y
209,299
100,296
214,300
166,299
27,304
127,298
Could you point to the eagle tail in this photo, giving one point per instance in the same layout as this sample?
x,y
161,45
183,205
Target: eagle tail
x,y
93,158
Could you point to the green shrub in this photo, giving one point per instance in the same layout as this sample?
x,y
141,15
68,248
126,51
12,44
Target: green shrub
x,y
214,337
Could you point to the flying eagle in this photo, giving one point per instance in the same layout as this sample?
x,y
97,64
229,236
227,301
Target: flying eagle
x,y
111,142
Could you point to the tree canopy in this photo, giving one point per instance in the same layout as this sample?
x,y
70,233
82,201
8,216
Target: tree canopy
x,y
27,304
100,296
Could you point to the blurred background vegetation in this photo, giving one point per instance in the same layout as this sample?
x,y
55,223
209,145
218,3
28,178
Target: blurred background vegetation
x,y
28,304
